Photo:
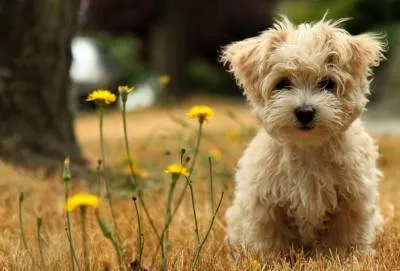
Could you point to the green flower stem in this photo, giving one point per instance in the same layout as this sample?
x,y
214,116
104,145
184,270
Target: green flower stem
x,y
98,179
147,213
39,222
101,117
108,234
84,238
189,183
201,245
197,148
211,185
118,249
67,178
21,225
127,149
167,222
196,151
182,194
140,233
106,181
130,163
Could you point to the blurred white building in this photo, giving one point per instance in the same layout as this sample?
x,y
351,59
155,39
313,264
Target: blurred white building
x,y
91,68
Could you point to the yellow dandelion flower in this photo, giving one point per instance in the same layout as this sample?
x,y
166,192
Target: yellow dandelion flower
x,y
233,135
254,265
101,96
215,153
201,112
82,199
164,79
176,169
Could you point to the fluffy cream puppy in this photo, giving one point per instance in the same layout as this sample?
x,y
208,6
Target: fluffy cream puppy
x,y
309,177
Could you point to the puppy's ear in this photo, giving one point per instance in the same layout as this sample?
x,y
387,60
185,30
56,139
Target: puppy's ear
x,y
367,52
244,59
248,59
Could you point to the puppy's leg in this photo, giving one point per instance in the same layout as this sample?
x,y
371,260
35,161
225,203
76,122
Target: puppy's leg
x,y
354,227
258,226
234,217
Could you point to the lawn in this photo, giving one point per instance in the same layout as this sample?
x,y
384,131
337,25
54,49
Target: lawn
x,y
156,137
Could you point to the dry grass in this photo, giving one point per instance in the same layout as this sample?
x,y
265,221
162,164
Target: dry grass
x,y
152,134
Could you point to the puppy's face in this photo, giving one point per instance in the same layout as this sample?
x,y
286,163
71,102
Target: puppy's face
x,y
305,83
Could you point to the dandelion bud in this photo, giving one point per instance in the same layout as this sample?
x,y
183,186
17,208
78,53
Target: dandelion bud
x,y
123,92
39,221
21,196
66,170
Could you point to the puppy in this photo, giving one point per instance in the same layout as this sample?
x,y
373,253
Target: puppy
x,y
309,178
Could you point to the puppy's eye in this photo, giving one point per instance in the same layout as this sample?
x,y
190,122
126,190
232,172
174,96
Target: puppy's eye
x,y
327,84
284,83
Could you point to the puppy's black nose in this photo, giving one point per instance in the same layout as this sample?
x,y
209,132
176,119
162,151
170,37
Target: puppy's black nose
x,y
305,114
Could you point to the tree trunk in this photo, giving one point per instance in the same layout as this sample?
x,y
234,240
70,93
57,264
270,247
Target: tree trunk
x,y
169,48
36,127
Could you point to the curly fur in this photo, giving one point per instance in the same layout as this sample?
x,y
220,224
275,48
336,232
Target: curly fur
x,y
315,187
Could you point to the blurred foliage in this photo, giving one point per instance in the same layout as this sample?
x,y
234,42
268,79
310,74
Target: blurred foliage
x,y
312,10
205,76
124,50
365,15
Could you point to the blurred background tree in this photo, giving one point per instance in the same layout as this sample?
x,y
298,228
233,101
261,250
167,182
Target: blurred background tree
x,y
36,124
